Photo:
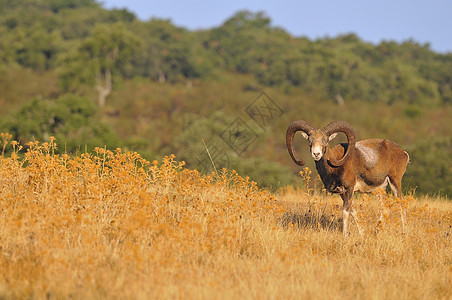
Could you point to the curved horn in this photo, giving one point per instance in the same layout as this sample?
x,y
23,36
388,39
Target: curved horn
x,y
291,130
344,127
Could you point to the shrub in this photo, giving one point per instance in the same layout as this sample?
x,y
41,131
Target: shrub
x,y
73,120
431,167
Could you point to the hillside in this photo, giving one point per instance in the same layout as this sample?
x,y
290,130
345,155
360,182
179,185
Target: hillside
x,y
109,224
91,76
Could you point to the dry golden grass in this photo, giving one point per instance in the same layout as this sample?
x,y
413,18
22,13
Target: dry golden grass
x,y
112,225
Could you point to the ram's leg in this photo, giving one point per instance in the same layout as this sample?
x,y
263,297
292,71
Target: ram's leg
x,y
396,187
345,215
348,210
403,215
355,217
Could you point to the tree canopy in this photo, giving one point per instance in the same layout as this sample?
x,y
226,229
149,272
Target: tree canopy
x,y
42,34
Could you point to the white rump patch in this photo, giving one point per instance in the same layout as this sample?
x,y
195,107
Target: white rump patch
x,y
370,155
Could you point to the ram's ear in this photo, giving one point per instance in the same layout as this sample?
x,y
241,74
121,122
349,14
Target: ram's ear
x,y
305,135
331,137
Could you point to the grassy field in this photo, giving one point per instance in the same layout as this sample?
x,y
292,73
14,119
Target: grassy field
x,y
110,225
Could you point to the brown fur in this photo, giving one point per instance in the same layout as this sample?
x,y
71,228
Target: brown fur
x,y
370,164
392,161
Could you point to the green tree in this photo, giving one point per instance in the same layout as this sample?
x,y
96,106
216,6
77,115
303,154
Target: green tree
x,y
430,170
31,47
106,52
246,41
71,119
169,53
58,5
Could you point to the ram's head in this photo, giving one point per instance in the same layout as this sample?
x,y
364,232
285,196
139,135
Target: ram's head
x,y
318,140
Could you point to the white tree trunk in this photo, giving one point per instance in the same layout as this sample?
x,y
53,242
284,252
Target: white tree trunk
x,y
162,77
340,100
103,86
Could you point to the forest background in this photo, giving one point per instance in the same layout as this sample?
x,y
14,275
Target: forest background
x,y
91,76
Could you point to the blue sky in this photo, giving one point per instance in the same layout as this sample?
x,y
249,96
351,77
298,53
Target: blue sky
x,y
428,21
